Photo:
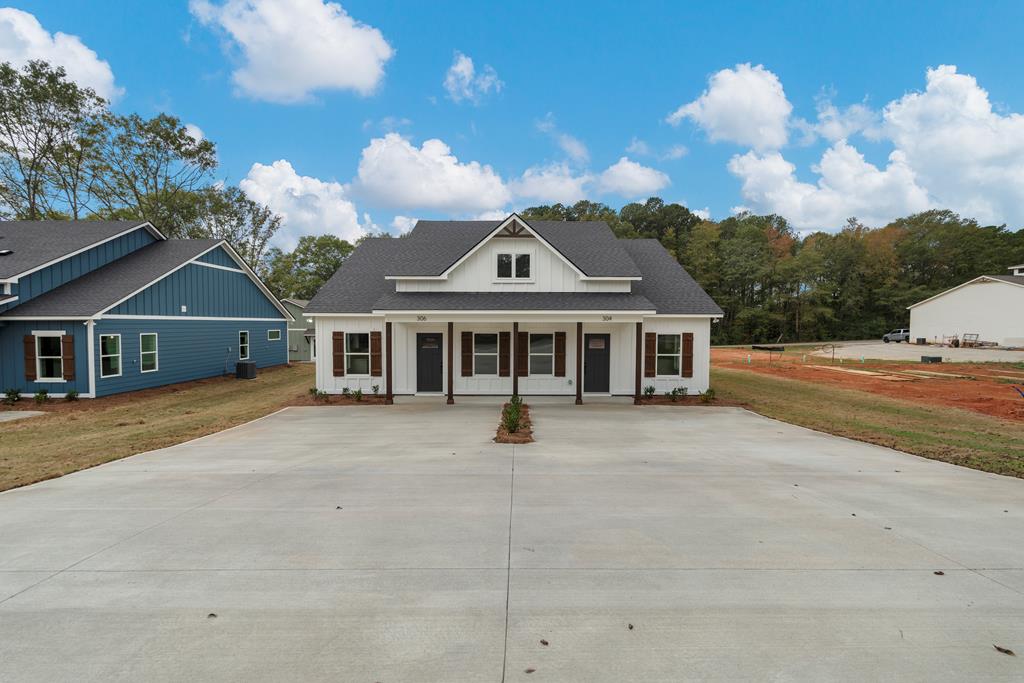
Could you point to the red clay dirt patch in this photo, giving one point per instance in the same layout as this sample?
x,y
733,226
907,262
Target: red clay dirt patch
x,y
983,389
525,432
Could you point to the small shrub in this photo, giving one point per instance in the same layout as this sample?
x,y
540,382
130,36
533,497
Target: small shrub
x,y
71,395
516,400
511,417
649,391
376,389
12,396
42,396
708,396
357,395
317,394
674,394
345,391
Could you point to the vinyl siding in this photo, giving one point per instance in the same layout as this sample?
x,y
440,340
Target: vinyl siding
x,y
992,309
12,357
204,292
187,350
76,266
219,257
300,349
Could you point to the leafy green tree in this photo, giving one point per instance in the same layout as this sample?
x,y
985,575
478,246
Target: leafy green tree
x,y
226,212
301,273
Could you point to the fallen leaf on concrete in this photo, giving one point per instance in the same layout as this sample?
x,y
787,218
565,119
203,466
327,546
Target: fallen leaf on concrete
x,y
211,615
543,642
339,508
939,573
1005,651
530,670
629,626
887,528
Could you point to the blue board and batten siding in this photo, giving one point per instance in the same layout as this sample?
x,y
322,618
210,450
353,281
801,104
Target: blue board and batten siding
x,y
204,292
12,356
76,266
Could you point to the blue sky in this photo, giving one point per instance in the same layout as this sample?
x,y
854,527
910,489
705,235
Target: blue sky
x,y
561,93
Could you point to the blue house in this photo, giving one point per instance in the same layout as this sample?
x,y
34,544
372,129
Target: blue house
x,y
102,307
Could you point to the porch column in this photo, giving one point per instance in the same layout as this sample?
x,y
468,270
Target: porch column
x,y
515,365
639,361
579,363
389,397
451,361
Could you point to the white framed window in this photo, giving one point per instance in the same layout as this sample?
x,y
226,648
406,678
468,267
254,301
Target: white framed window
x,y
273,335
542,354
514,266
485,353
669,351
243,345
357,353
110,355
149,357
49,356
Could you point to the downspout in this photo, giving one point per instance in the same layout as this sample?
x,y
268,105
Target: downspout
x,y
91,353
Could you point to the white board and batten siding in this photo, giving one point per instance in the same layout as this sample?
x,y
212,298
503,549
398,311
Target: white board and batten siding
x,y
992,309
478,273
623,355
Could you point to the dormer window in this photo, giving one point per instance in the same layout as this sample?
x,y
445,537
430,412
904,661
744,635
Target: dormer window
x,y
513,266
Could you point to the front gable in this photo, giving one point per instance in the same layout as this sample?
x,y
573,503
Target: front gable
x,y
478,269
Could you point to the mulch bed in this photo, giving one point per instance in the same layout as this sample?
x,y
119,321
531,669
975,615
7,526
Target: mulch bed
x,y
523,435
339,400
679,401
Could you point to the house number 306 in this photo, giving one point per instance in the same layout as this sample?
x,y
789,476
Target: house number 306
x,y
421,318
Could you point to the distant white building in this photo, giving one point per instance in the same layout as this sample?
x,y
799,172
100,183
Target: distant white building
x,y
991,306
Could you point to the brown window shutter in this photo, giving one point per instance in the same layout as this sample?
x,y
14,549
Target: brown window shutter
x,y
523,354
467,354
559,354
338,349
504,354
650,354
375,364
30,358
687,354
67,352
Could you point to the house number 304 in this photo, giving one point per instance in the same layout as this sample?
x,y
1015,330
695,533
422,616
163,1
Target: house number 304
x,y
606,318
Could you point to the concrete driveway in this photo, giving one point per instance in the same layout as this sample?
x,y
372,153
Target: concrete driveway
x,y
913,352
399,544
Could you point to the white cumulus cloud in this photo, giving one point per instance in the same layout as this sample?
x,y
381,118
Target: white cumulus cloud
x,y
195,131
572,146
745,105
551,183
463,83
290,49
629,179
23,38
847,186
307,205
395,173
403,224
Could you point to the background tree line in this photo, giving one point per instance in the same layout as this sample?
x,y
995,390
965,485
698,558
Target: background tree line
x,y
775,284
65,155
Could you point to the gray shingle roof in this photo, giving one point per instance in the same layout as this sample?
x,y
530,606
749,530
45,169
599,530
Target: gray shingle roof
x,y
359,285
589,245
666,283
512,301
97,290
1012,279
33,243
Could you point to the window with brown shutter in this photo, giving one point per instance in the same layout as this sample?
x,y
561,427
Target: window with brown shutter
x,y
504,354
467,354
375,355
523,354
30,358
650,354
687,354
67,352
338,352
559,354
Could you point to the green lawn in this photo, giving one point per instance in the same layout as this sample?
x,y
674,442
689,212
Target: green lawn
x,y
947,434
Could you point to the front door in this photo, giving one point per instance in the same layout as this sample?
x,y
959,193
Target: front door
x,y
429,362
596,363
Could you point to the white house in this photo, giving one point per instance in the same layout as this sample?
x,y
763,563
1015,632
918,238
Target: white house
x,y
991,306
511,307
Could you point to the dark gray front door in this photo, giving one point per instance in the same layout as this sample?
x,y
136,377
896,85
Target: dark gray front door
x,y
596,363
429,362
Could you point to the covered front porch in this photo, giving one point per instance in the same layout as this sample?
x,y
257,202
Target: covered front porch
x,y
587,355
